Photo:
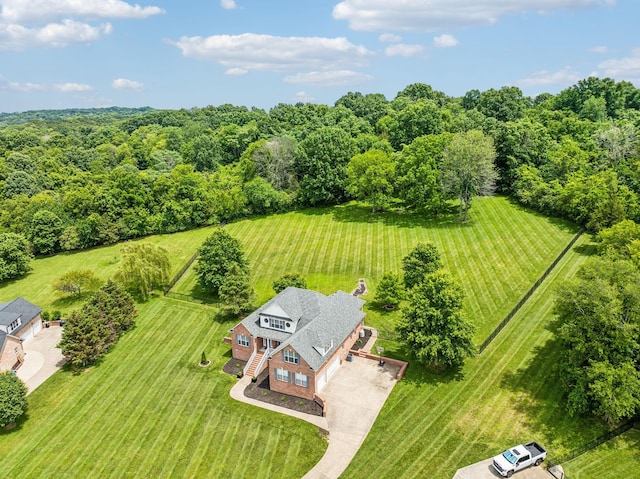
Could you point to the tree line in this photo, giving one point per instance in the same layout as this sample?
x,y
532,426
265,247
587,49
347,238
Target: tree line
x,y
75,182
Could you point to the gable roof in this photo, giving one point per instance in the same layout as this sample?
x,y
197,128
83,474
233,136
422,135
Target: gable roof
x,y
18,308
323,322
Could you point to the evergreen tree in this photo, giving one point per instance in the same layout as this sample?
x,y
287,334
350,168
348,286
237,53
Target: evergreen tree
x,y
390,290
424,259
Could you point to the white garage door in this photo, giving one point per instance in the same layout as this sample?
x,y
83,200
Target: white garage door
x,y
322,381
37,326
26,334
333,367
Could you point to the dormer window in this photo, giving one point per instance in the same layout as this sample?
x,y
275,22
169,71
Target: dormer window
x,y
278,324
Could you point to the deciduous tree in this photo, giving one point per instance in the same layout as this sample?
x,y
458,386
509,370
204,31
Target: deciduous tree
x,y
424,259
13,398
143,267
15,256
370,178
236,293
390,290
77,282
216,255
467,168
289,279
433,325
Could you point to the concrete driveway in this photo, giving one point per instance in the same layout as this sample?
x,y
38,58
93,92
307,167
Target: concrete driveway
x,y
42,358
354,396
484,470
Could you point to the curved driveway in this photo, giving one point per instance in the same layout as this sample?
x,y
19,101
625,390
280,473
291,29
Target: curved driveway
x,y
354,396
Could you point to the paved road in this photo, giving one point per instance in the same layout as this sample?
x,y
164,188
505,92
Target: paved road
x,y
42,358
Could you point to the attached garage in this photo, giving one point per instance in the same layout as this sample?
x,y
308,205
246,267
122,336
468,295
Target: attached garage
x,y
326,374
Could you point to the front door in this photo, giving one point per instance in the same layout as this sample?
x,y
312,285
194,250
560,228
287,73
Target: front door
x,y
271,343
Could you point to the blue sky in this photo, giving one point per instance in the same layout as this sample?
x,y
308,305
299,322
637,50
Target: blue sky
x,y
192,53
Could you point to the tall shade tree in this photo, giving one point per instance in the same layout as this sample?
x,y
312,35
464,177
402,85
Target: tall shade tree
x,y
44,232
216,255
13,398
15,256
467,168
77,282
423,260
143,267
237,296
370,178
433,325
599,333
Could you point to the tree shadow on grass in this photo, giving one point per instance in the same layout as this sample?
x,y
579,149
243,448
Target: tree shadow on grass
x,y
358,213
67,303
561,223
539,397
19,424
419,375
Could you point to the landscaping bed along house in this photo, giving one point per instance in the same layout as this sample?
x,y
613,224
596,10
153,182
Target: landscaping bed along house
x,y
259,390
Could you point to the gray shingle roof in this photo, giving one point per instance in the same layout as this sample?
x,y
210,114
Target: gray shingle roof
x,y
323,322
19,307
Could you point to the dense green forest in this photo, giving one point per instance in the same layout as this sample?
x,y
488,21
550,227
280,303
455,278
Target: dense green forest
x,y
76,179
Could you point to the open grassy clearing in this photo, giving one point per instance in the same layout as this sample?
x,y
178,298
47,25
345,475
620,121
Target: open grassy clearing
x,y
150,411
36,286
432,425
496,256
615,459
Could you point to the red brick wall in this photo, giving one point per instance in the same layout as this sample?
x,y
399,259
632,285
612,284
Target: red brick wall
x,y
291,387
242,353
8,357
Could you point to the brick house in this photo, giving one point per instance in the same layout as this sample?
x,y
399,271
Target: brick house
x,y
301,337
19,322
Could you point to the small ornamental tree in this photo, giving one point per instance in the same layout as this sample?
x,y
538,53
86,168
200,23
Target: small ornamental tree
x,y
236,293
390,290
216,255
13,398
424,259
289,279
77,282
433,325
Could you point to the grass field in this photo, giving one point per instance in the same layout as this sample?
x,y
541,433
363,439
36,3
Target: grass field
x,y
36,286
432,425
150,411
619,458
496,256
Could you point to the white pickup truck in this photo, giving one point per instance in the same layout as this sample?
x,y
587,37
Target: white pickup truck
x,y
518,458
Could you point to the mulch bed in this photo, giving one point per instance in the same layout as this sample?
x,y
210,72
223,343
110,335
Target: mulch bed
x,y
234,367
360,342
260,391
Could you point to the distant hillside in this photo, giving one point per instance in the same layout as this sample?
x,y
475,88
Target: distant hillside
x,y
52,115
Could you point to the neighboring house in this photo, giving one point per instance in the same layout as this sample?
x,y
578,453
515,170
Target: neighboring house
x,y
19,321
301,336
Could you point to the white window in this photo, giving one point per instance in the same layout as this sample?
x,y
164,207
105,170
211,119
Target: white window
x,y
282,375
243,340
301,380
278,324
14,325
290,357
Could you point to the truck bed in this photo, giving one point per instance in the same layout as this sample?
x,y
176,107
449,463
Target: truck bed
x,y
534,449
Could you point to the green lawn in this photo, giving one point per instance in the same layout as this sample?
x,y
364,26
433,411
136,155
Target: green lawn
x,y
496,256
150,411
36,286
615,459
431,425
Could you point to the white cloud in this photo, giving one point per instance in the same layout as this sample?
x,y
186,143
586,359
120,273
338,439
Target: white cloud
x,y
124,84
445,41
566,76
302,97
228,4
599,49
404,50
31,87
43,11
71,87
18,37
421,15
329,78
236,71
389,38
251,51
627,68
